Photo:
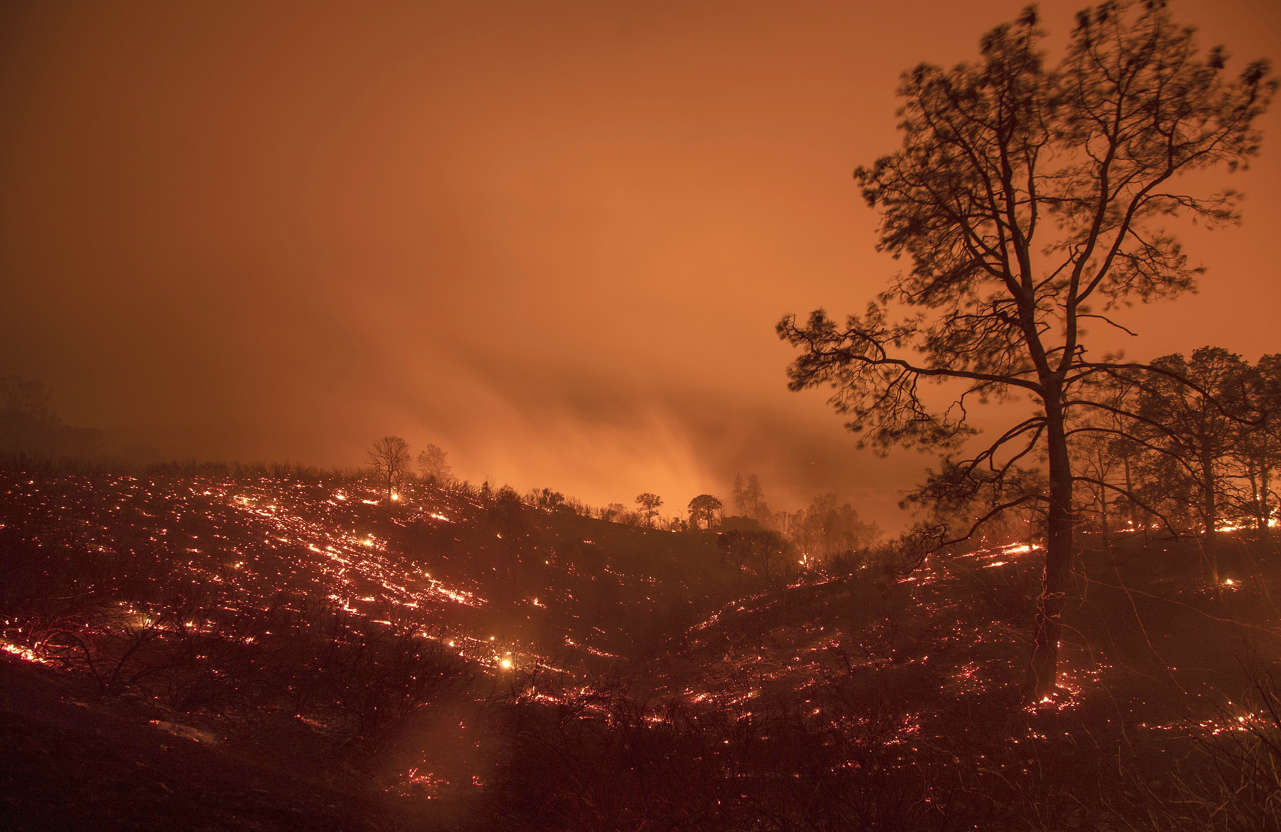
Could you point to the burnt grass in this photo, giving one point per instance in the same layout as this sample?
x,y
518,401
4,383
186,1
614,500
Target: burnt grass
x,y
212,650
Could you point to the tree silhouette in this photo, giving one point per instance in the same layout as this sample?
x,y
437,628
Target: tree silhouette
x,y
1027,200
546,498
749,499
1258,443
390,458
704,508
828,528
649,503
432,465
1197,427
30,429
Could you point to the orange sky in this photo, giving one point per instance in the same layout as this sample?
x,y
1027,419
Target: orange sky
x,y
552,237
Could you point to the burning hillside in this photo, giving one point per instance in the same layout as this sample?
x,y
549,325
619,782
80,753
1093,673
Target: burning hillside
x,y
506,664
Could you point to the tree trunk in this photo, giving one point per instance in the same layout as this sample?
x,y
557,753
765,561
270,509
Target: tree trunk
x,y
1103,496
1209,509
1264,509
1058,555
1252,478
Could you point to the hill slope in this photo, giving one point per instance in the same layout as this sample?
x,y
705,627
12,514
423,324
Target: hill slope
x,y
275,653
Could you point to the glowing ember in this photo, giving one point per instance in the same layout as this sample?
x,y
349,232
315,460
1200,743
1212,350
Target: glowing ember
x,y
24,653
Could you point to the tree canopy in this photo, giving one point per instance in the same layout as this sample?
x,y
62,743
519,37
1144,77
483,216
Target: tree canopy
x,y
432,464
704,509
649,503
